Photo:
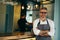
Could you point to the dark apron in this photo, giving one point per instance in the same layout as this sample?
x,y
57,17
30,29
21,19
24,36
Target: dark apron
x,y
43,27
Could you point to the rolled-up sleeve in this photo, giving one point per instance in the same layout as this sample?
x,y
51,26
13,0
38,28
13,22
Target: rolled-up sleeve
x,y
35,30
52,29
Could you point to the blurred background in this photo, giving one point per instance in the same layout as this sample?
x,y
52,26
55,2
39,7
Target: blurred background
x,y
12,10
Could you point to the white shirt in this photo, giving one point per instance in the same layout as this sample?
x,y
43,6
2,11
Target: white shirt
x,y
37,31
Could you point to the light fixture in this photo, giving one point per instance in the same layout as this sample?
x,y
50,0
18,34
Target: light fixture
x,y
22,7
38,0
28,7
36,5
46,2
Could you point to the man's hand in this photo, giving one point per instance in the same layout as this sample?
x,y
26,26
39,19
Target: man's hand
x,y
44,33
27,23
41,33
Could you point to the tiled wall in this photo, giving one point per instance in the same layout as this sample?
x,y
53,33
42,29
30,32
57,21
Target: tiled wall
x,y
2,17
9,18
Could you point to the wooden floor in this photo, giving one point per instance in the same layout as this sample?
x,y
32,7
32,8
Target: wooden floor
x,y
16,36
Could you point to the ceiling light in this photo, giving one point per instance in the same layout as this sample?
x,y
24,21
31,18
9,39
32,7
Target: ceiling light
x,y
22,7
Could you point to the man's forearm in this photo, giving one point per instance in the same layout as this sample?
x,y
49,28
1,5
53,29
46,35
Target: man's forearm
x,y
44,33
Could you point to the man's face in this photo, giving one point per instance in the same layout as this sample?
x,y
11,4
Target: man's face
x,y
23,17
43,13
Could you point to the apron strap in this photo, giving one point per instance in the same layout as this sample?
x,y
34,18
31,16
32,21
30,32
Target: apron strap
x,y
47,23
38,23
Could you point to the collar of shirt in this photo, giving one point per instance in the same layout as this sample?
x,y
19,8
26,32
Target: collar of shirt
x,y
43,22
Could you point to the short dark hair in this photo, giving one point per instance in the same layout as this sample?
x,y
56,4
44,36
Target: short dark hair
x,y
43,8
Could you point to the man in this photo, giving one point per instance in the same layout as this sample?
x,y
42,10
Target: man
x,y
43,27
22,23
